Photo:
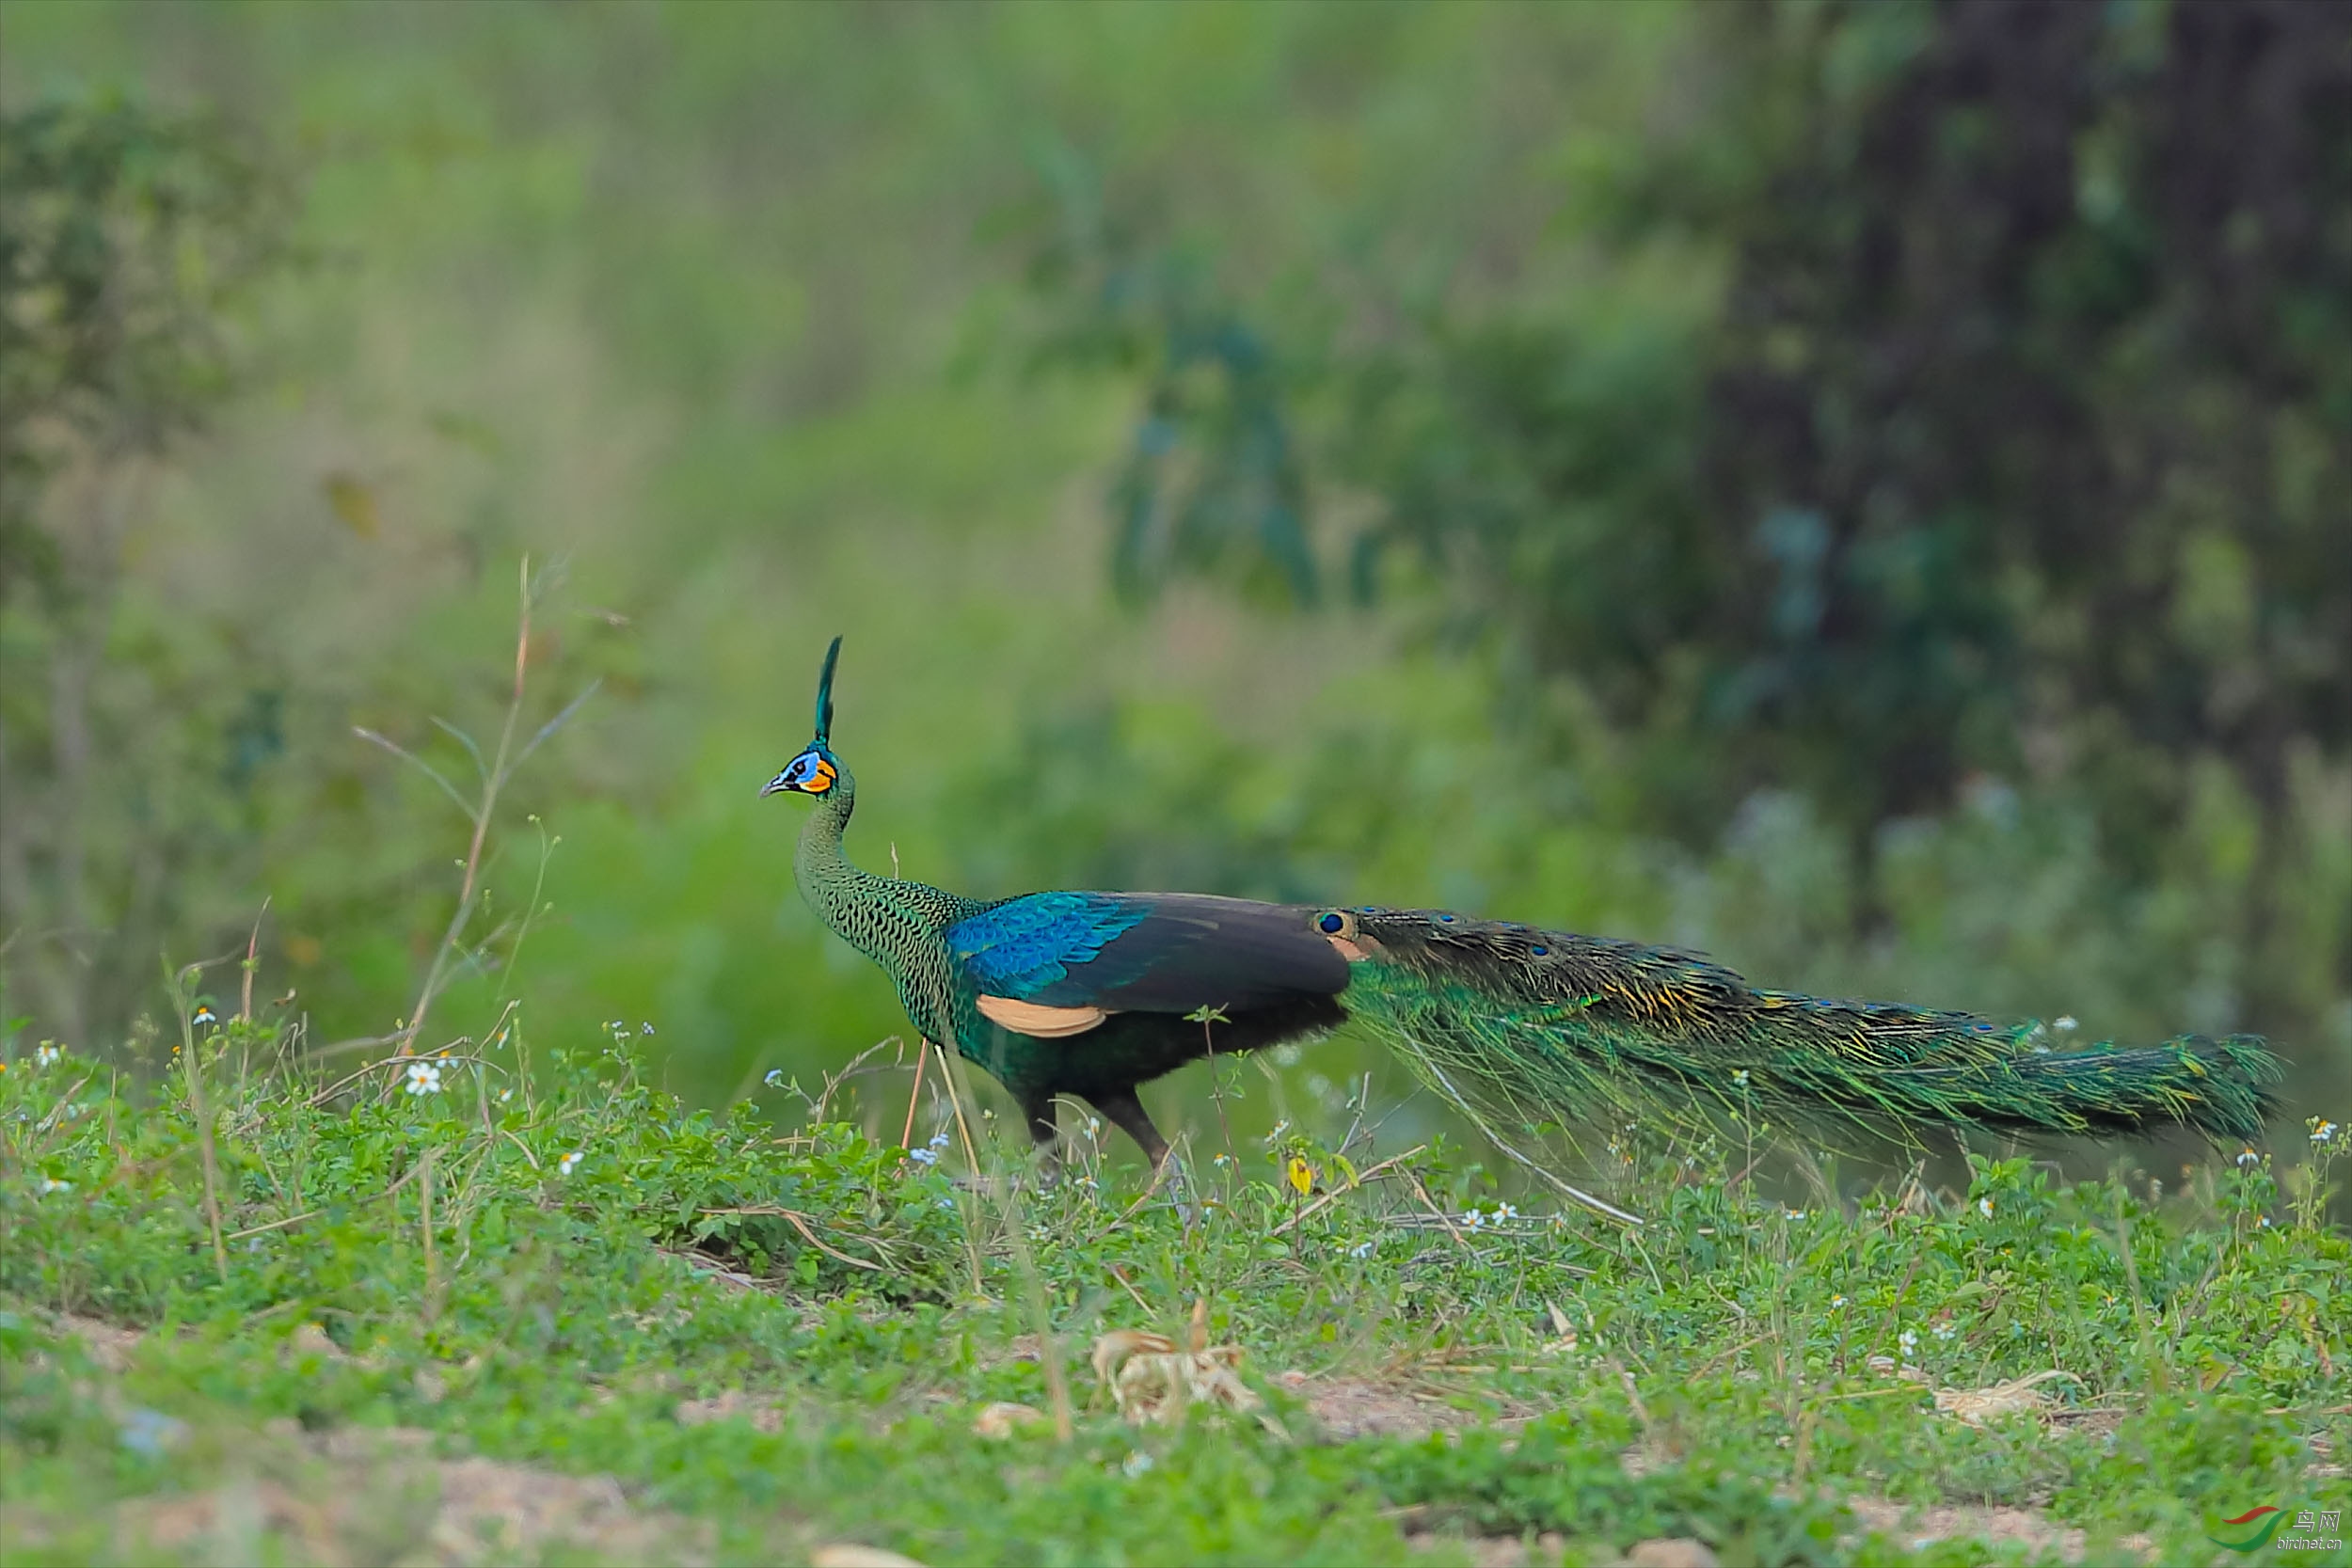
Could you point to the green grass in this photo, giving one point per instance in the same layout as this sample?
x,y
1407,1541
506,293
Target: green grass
x,y
1714,1378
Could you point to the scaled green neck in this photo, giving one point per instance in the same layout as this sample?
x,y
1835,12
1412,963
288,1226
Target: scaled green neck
x,y
901,926
837,890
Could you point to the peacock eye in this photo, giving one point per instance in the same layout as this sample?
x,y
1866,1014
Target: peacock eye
x,y
1331,925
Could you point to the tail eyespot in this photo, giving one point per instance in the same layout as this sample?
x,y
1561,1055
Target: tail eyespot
x,y
1338,928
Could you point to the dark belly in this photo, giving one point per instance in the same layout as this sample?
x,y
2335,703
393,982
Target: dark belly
x,y
1134,1047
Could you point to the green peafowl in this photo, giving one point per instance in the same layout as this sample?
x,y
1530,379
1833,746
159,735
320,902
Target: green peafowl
x,y
1091,994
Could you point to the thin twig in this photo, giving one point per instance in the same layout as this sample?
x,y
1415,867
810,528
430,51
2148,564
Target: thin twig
x,y
853,1067
348,1079
1216,1085
313,1213
1422,1193
948,1066
915,1096
1330,1197
198,1103
492,781
431,1263
252,948
1480,1121
1127,1285
800,1222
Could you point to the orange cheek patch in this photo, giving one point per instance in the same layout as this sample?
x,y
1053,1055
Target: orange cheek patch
x,y
824,779
1348,950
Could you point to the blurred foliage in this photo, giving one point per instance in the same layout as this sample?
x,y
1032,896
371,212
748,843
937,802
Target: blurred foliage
x,y
726,306
130,242
2003,432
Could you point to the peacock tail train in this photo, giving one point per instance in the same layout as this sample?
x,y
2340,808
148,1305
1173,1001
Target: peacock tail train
x,y
1522,1026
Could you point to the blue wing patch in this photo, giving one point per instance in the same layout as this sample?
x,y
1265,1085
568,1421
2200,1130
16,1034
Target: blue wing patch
x,y
1023,945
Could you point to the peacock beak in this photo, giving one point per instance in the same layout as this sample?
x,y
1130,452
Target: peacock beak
x,y
777,786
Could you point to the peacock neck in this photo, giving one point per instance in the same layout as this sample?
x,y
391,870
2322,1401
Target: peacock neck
x,y
900,925
835,889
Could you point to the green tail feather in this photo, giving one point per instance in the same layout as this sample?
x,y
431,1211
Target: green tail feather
x,y
1528,1026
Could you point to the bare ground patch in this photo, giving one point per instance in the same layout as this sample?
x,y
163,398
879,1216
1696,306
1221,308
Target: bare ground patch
x,y
378,1495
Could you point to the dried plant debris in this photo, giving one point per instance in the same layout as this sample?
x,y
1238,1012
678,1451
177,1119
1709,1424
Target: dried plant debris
x,y
1155,1382
849,1554
1002,1420
2019,1395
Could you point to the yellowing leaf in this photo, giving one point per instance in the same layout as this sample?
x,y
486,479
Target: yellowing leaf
x,y
354,503
1302,1175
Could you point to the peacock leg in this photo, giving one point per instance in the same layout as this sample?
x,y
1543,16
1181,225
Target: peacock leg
x,y
1126,1112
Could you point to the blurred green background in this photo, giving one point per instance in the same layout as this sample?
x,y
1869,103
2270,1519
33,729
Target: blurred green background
x,y
1858,489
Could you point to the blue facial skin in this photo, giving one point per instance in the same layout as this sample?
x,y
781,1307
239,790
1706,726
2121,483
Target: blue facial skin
x,y
812,772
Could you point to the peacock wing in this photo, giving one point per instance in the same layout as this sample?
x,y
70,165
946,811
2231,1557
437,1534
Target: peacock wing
x,y
1145,952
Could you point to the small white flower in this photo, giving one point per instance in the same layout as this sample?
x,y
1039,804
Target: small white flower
x,y
2064,1024
1837,1301
1909,1340
924,1156
423,1078
1984,1207
1472,1218
2247,1157
505,1095
1361,1249
51,1185
2263,1224
774,1078
48,1053
939,1140
1740,1077
2322,1132
1506,1211
644,1028
1094,1128
1796,1213
1135,1465
1944,1331
570,1163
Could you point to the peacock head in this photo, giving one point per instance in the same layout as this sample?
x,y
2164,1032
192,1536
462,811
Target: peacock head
x,y
816,771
